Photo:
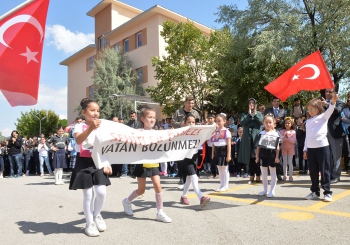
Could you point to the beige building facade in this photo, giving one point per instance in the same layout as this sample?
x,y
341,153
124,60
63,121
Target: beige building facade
x,y
119,25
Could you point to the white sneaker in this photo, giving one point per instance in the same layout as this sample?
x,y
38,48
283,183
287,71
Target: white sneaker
x,y
262,193
1,176
327,198
91,230
180,187
312,196
161,216
100,223
245,175
61,182
270,195
127,207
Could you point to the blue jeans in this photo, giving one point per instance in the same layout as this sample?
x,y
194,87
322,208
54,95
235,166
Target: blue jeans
x,y
2,166
16,158
27,160
47,163
125,169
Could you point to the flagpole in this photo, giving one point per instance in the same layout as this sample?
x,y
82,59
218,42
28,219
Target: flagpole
x,y
15,9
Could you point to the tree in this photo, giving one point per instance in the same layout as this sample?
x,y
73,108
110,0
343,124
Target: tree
x,y
186,70
295,27
28,124
113,74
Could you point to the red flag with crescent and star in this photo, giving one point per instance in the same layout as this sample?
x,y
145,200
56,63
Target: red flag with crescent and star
x,y
310,73
22,33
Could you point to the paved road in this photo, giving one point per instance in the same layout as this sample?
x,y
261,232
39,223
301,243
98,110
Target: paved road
x,y
35,211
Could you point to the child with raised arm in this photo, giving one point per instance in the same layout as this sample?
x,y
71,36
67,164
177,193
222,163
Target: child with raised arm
x,y
316,148
270,155
151,170
189,167
85,175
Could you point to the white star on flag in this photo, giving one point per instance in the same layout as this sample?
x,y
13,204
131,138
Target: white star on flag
x,y
30,55
295,77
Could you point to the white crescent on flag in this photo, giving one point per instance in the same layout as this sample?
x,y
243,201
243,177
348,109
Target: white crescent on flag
x,y
315,68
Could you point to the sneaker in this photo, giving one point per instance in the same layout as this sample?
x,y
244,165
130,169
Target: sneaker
x,y
100,223
250,182
61,182
238,175
161,216
246,175
165,174
327,198
17,176
270,195
123,176
127,207
204,201
284,178
1,176
10,177
262,193
161,173
184,200
91,230
290,179
312,196
140,196
180,187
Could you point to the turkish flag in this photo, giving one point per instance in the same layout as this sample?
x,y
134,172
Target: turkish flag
x,y
22,33
310,73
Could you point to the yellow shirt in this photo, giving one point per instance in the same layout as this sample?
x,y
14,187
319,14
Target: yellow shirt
x,y
150,165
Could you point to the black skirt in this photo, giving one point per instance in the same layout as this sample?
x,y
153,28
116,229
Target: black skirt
x,y
59,159
141,172
267,157
85,175
220,153
188,166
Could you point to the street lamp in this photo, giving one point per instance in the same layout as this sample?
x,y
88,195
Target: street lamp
x,y
40,122
121,96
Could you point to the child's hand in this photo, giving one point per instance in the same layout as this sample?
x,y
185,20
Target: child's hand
x,y
107,170
257,159
334,98
305,155
228,158
95,124
277,160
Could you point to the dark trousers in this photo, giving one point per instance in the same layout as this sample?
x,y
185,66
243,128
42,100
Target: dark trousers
x,y
300,153
346,152
319,161
254,168
213,167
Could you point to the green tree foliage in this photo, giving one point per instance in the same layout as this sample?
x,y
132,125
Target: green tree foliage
x,y
186,70
113,74
283,32
28,124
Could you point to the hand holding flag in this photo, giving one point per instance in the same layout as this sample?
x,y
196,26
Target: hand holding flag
x,y
310,73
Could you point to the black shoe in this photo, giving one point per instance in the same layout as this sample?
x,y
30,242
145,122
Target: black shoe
x,y
335,180
279,177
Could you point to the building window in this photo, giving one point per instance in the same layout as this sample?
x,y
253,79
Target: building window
x,y
91,92
140,75
126,45
139,39
116,46
91,62
102,42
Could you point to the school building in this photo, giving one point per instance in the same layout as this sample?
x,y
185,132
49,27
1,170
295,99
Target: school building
x,y
119,25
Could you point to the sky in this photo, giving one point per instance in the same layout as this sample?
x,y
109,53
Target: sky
x,y
69,29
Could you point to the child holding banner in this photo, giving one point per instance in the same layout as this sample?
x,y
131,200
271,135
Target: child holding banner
x,y
189,166
85,176
221,151
151,170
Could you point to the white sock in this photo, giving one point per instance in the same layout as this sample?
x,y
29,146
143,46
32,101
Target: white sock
x,y
60,173
194,179
100,197
285,162
264,177
273,180
187,186
221,176
88,205
227,176
290,163
56,175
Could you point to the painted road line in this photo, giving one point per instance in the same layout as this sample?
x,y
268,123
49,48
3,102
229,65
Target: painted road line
x,y
335,198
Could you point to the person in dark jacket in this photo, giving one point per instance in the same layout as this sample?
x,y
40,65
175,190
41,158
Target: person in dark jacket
x,y
14,148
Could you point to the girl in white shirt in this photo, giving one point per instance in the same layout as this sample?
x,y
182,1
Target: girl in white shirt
x,y
316,148
44,157
221,151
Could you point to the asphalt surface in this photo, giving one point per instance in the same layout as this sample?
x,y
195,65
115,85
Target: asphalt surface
x,y
35,211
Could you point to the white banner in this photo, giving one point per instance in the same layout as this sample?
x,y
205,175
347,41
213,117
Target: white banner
x,y
117,143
